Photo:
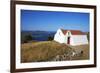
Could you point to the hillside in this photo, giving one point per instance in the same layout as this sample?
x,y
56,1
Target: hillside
x,y
46,51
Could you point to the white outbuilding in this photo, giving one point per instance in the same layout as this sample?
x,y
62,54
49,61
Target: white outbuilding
x,y
71,37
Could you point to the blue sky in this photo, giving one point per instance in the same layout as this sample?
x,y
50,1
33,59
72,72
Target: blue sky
x,y
32,20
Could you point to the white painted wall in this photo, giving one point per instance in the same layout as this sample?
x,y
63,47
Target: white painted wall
x,y
74,39
79,40
59,37
66,37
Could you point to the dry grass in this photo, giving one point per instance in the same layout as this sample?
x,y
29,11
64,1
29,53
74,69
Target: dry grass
x,y
85,49
46,50
42,51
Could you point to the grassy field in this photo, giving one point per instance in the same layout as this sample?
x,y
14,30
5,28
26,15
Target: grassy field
x,y
47,50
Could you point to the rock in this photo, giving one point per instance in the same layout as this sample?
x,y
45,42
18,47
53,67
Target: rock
x,y
68,56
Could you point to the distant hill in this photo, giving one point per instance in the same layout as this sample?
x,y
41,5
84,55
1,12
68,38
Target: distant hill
x,y
37,32
38,35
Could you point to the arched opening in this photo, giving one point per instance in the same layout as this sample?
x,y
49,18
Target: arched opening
x,y
68,40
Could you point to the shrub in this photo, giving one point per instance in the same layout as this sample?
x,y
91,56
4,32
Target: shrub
x,y
50,38
26,38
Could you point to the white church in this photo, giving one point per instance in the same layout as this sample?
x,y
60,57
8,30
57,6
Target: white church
x,y
71,37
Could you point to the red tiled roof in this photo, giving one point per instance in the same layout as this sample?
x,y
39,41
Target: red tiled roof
x,y
73,32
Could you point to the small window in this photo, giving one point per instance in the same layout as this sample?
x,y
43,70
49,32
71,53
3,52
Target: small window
x,y
68,33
